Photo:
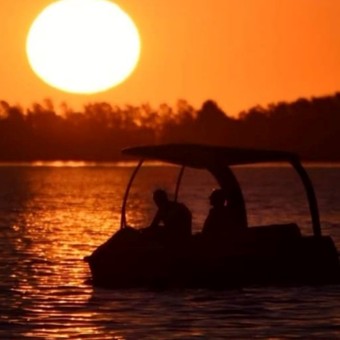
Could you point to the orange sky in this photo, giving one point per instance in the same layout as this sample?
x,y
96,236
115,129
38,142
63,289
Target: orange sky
x,y
238,52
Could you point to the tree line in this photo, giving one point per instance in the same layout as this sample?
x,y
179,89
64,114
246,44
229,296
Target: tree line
x,y
97,132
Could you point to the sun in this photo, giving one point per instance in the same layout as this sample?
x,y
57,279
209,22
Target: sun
x,y
83,46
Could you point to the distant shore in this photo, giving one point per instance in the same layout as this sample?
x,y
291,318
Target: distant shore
x,y
308,127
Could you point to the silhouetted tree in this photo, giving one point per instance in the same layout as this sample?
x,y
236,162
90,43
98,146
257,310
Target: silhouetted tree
x,y
310,127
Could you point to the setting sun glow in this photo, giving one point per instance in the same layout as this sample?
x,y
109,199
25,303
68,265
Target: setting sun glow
x,y
83,46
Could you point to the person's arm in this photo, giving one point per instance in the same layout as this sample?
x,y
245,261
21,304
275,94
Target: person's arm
x,y
156,220
207,223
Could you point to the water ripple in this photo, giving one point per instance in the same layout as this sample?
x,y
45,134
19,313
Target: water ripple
x,y
51,218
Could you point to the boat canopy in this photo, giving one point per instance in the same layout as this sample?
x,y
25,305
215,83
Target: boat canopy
x,y
217,160
208,156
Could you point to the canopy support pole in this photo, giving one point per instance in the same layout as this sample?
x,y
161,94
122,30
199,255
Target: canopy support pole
x,y
313,205
123,211
179,179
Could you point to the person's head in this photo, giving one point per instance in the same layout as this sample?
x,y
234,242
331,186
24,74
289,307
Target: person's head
x,y
217,197
160,197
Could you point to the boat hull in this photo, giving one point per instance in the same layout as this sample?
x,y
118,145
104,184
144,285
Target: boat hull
x,y
125,262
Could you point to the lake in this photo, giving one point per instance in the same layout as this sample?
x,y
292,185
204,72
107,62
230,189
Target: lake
x,y
52,215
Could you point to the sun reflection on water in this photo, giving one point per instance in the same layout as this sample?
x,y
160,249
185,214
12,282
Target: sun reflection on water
x,y
51,217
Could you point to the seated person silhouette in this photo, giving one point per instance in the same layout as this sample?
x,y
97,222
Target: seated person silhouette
x,y
219,221
172,222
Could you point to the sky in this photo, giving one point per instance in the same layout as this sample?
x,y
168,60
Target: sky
x,y
240,53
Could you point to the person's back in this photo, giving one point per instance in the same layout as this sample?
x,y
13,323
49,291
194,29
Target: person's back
x,y
176,219
216,222
219,222
177,222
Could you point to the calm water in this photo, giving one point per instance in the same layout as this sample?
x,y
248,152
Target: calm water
x,y
51,217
